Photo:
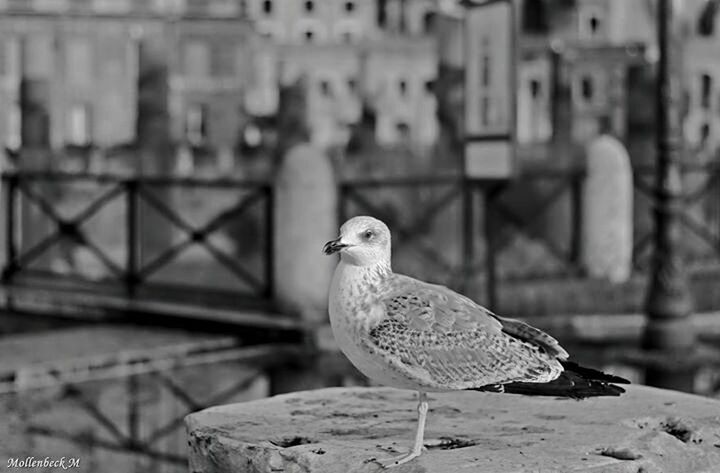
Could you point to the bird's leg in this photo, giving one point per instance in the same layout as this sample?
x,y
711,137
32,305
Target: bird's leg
x,y
417,449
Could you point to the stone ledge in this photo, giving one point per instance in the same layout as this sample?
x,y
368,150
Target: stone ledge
x,y
342,429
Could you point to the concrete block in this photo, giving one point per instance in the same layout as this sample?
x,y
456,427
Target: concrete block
x,y
344,429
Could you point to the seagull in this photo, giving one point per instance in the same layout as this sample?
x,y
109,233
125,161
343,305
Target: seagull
x,y
409,334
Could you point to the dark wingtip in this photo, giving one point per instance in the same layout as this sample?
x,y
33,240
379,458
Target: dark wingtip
x,y
576,382
593,374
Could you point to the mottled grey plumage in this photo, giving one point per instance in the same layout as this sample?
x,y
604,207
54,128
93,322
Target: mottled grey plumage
x,y
445,341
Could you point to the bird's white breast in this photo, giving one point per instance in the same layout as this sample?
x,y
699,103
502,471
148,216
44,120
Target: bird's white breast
x,y
354,309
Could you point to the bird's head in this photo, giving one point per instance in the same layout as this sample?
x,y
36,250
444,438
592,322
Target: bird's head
x,y
363,241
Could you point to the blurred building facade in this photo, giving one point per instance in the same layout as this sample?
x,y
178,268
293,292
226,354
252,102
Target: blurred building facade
x,y
80,61
353,54
84,62
225,60
577,56
702,79
604,40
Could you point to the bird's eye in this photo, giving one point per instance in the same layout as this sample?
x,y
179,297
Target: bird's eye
x,y
368,234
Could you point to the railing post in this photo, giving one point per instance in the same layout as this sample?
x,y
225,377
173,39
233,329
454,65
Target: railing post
x,y
131,275
269,239
576,189
467,255
9,265
490,249
305,216
342,202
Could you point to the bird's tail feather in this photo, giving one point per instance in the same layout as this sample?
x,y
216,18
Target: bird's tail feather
x,y
575,382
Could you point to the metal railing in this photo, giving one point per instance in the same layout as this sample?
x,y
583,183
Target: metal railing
x,y
137,233
470,235
439,231
476,236
700,219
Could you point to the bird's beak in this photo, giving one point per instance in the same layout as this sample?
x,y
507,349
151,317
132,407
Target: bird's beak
x,y
333,246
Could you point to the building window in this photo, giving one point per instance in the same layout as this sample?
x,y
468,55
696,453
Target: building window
x,y
352,85
196,124
594,25
325,88
534,17
706,87
706,20
402,87
591,22
428,22
534,118
350,6
486,66
267,7
485,105
79,61
587,89
403,130
309,6
381,14
704,135
535,89
485,63
310,30
429,86
79,131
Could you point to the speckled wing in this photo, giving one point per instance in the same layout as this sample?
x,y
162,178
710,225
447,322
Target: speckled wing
x,y
443,340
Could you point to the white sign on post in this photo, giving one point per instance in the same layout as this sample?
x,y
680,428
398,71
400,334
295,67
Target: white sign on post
x,y
490,78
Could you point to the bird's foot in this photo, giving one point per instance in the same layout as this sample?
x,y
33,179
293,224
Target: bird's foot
x,y
391,462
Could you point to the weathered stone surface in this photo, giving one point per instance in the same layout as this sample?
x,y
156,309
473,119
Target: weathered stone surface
x,y
305,218
343,429
608,211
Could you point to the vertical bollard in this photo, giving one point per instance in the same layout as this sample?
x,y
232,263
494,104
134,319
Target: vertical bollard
x,y
607,236
305,217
